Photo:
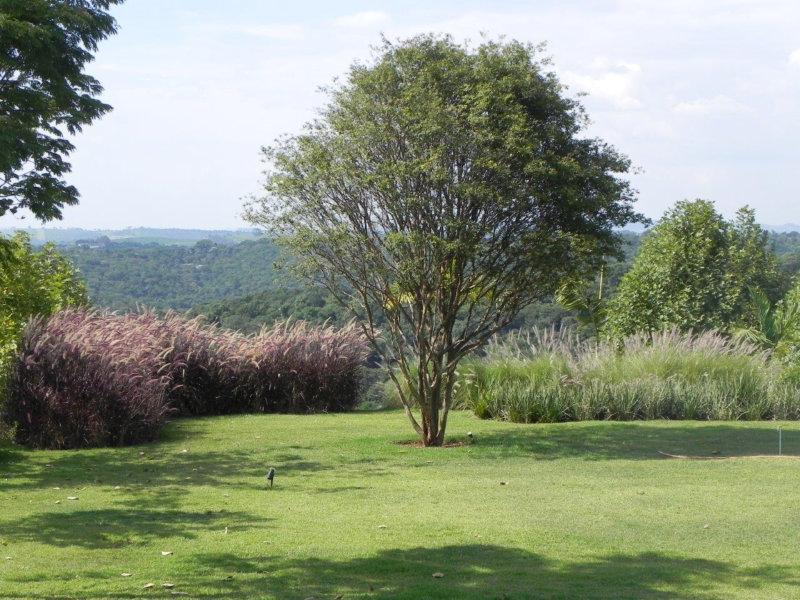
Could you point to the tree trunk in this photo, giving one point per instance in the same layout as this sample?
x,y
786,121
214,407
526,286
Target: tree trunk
x,y
433,427
430,421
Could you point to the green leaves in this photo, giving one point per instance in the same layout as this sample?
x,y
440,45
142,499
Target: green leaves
x,y
443,189
34,283
585,301
693,271
774,327
45,93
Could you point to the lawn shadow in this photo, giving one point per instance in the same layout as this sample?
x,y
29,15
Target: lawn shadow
x,y
140,469
472,572
636,440
121,527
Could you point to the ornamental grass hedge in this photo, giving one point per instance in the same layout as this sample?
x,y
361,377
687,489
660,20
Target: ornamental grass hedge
x,y
85,378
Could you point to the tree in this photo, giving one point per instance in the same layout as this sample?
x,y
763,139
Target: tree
x,y
33,283
44,93
445,188
753,263
693,272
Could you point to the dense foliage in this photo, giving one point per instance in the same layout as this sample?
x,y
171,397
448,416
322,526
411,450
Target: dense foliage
x,y
445,187
46,97
232,292
694,272
250,313
124,276
32,282
555,377
84,378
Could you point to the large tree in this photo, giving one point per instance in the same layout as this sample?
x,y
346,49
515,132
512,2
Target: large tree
x,y
45,95
446,187
694,272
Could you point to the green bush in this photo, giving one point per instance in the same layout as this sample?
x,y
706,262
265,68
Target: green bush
x,y
554,377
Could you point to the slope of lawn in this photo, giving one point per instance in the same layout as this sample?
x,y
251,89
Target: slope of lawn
x,y
578,510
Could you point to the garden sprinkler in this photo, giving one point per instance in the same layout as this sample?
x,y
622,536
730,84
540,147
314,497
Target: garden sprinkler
x,y
270,476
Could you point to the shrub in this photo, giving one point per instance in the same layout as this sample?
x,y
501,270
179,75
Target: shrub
x,y
86,378
81,380
288,368
554,377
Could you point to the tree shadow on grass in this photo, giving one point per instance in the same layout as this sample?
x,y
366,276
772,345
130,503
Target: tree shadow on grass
x,y
484,571
121,527
472,572
143,468
635,441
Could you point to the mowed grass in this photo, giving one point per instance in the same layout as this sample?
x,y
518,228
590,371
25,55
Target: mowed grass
x,y
575,510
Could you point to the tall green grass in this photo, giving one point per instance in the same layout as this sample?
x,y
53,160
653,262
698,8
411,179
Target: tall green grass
x,y
545,377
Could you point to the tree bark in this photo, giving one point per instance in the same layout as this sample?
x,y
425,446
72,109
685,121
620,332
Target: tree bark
x,y
433,431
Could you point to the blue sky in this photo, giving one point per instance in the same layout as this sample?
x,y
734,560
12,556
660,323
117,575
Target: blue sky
x,y
703,96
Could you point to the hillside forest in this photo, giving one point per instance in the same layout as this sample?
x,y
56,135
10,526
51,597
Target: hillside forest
x,y
236,286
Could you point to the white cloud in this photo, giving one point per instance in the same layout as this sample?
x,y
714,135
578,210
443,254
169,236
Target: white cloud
x,y
368,18
794,58
613,82
707,106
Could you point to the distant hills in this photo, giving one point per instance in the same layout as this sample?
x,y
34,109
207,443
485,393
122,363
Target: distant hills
x,y
123,275
189,237
785,228
134,235
229,275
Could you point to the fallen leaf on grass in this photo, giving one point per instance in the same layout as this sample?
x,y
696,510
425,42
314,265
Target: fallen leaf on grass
x,y
72,497
147,586
166,552
438,575
381,526
168,585
125,574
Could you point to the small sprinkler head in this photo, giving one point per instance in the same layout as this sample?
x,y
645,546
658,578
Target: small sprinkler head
x,y
270,476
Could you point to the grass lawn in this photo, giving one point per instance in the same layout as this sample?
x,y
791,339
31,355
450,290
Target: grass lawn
x,y
588,510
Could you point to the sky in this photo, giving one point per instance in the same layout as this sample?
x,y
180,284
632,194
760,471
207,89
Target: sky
x,y
703,96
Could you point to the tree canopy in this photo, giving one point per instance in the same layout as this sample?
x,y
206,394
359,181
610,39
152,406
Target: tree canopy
x,y
45,95
446,187
34,282
694,271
